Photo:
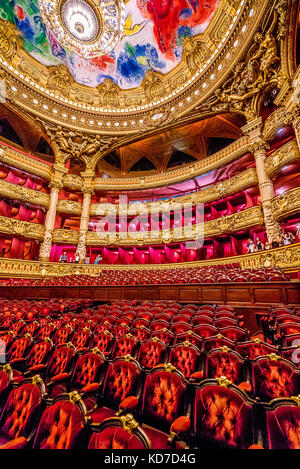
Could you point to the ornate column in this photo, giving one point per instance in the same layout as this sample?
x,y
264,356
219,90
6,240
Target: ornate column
x,y
85,215
55,186
259,147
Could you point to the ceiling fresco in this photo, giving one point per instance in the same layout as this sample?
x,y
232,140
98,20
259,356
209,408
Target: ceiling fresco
x,y
152,39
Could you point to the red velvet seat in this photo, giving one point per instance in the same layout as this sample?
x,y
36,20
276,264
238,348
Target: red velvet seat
x,y
222,416
106,326
119,433
185,357
189,336
36,361
59,368
31,328
103,341
283,424
125,345
121,381
205,330
224,362
274,377
236,334
62,424
6,341
6,380
180,327
17,327
62,335
158,325
151,353
217,341
18,351
164,335
81,339
21,413
141,333
199,320
121,330
163,401
45,331
255,348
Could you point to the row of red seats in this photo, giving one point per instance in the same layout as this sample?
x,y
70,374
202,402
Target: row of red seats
x,y
210,274
205,413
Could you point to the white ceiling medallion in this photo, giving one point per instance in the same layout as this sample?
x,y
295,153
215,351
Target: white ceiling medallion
x,y
89,28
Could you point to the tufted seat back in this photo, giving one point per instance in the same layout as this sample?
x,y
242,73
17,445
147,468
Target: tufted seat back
x,y
151,353
185,358
45,331
60,426
121,380
81,339
115,433
87,369
31,328
62,335
225,362
19,348
222,416
19,411
274,378
164,335
38,353
124,346
283,425
60,361
103,342
163,396
253,349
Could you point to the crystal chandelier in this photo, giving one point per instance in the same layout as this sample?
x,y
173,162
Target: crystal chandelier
x,y
90,28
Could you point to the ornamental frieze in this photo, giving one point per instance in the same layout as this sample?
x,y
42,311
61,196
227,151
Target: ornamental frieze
x,y
69,206
25,163
13,191
286,258
65,236
231,186
281,157
223,225
286,204
21,228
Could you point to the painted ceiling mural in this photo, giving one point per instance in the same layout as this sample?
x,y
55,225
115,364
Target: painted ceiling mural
x,y
152,39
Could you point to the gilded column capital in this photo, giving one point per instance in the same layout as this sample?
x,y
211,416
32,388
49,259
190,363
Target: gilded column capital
x,y
259,147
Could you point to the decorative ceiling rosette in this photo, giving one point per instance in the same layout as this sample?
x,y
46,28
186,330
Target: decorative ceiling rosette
x,y
89,28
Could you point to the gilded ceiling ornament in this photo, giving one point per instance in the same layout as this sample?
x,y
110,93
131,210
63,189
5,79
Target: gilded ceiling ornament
x,y
153,85
109,93
8,39
249,78
195,53
60,80
88,28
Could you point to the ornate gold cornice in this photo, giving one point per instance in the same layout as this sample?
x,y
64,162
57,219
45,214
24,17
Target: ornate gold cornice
x,y
65,236
25,162
286,258
233,185
69,206
245,219
281,157
217,160
13,191
21,228
286,204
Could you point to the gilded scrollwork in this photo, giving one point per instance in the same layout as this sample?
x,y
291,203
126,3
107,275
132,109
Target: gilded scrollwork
x,y
286,204
21,228
281,157
24,194
69,206
65,236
